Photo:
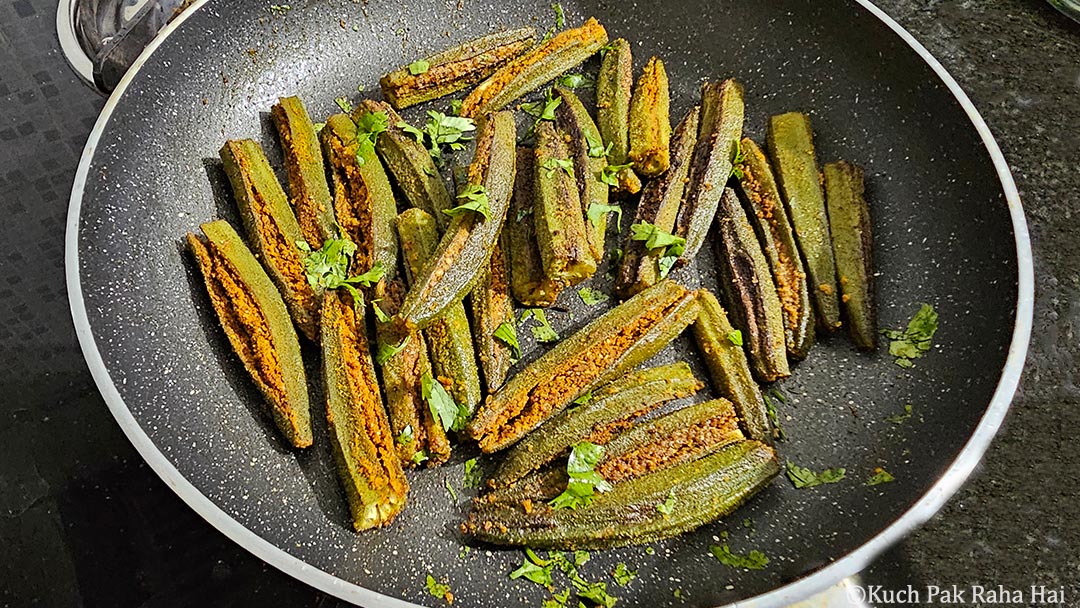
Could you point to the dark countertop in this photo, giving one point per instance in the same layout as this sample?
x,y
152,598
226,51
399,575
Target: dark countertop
x,y
84,522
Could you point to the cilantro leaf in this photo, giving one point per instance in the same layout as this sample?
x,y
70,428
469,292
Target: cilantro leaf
x,y
584,481
552,164
558,600
755,560
560,22
584,399
914,341
455,107
801,477
474,475
596,213
543,332
901,418
437,589
623,575
735,337
418,67
419,456
545,109
592,297
655,238
541,575
379,314
774,418
367,133
666,507
737,160
476,200
450,489
507,334
576,81
596,146
880,476
443,407
406,436
387,351
344,104
610,174
595,593
441,130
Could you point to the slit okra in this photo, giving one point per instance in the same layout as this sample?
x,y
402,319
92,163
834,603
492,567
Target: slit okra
x,y
582,137
307,174
728,368
766,211
606,348
528,283
706,489
454,69
367,462
791,145
466,246
650,121
749,291
410,163
722,111
614,89
418,432
363,198
272,229
535,68
559,222
849,218
449,337
636,394
257,324
491,308
659,205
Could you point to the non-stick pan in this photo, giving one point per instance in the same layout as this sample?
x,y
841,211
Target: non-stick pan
x,y
949,231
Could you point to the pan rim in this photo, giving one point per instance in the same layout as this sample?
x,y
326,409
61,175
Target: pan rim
x,y
852,563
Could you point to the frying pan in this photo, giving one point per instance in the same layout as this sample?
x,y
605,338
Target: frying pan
x,y
949,230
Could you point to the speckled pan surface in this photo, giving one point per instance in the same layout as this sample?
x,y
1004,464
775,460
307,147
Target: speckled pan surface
x,y
942,231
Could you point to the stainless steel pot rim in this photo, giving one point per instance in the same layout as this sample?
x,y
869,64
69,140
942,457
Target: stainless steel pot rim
x,y
811,584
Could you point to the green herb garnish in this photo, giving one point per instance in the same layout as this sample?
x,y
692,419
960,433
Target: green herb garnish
x,y
560,23
476,200
879,477
545,109
774,418
379,314
576,81
802,477
913,342
650,551
596,146
596,212
387,351
552,164
507,334
738,159
280,8
419,67
455,107
755,560
901,418
474,475
344,104
584,481
441,130
656,239
406,436
543,332
735,337
367,132
584,399
592,297
610,174
437,589
419,457
327,267
595,593
443,407
533,571
666,507
450,489
558,600
623,575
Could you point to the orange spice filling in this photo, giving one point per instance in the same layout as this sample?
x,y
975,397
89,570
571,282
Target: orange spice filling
x,y
671,448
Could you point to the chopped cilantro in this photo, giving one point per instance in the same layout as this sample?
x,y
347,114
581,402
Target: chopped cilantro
x,y
596,213
666,507
880,476
439,590
344,104
552,164
595,593
802,477
280,8
584,399
576,81
406,436
913,342
464,551
419,67
650,551
476,200
450,489
387,351
623,575
901,418
543,110
678,593
610,174
755,560
441,130
367,132
560,23
530,570
327,267
654,237
735,337
507,334
583,479
543,332
455,107
596,146
737,160
774,418
592,297
474,475
379,314
452,416
419,456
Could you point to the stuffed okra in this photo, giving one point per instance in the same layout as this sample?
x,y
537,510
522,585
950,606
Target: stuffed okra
x,y
614,88
307,174
583,142
528,283
559,222
849,218
650,121
257,324
272,229
493,317
454,69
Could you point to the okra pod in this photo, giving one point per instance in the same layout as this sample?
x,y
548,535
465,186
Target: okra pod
x,y
528,282
722,111
307,174
454,69
559,222
257,324
448,336
466,246
417,432
363,446
728,368
614,88
535,68
610,407
791,145
749,291
849,218
704,489
582,140
766,211
363,198
272,229
650,121
686,434
410,163
491,308
659,206
609,346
